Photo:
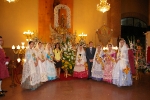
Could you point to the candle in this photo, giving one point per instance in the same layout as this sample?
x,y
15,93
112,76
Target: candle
x,y
18,47
18,60
22,43
23,47
13,47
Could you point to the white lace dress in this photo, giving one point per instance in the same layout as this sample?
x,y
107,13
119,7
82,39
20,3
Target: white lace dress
x,y
42,65
30,74
97,68
50,67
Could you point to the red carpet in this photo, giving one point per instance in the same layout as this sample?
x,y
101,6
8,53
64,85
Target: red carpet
x,y
63,78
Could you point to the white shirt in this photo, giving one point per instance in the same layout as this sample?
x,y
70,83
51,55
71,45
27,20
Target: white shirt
x,y
91,50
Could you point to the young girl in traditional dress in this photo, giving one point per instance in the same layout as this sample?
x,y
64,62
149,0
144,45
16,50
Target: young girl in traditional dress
x,y
58,58
121,72
31,71
80,70
41,61
98,64
110,57
50,67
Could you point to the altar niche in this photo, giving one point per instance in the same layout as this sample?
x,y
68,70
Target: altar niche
x,y
59,11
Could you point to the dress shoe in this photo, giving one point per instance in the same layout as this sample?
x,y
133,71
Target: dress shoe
x,y
4,91
2,94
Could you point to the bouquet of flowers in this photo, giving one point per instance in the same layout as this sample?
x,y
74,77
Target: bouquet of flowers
x,y
34,57
126,70
49,56
99,60
68,56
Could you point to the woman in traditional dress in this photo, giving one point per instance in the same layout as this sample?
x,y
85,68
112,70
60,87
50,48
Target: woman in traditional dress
x,y
121,73
58,58
98,64
110,57
50,67
31,71
41,61
80,70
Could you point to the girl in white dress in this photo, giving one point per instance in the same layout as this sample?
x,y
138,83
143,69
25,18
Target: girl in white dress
x,y
50,67
121,73
41,61
31,71
80,70
98,64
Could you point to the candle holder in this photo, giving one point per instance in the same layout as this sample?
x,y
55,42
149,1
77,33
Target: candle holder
x,y
82,36
12,75
28,35
19,50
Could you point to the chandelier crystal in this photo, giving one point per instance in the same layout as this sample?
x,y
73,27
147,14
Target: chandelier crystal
x,y
103,6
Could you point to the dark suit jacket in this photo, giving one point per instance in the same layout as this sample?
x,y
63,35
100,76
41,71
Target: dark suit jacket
x,y
89,55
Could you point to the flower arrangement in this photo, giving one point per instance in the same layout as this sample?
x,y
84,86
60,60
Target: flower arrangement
x,y
68,56
131,42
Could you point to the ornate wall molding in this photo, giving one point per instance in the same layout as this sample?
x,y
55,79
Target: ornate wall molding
x,y
56,17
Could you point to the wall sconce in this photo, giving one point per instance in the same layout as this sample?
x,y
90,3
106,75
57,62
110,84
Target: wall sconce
x,y
28,35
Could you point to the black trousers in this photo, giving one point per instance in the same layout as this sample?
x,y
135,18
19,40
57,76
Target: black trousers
x,y
89,68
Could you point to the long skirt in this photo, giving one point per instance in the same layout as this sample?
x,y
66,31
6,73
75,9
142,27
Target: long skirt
x,y
30,79
121,78
108,68
97,72
43,73
51,71
80,71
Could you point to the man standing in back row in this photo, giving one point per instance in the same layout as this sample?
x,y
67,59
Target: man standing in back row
x,y
3,68
90,52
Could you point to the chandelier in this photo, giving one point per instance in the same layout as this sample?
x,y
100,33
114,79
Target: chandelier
x,y
28,35
11,1
103,6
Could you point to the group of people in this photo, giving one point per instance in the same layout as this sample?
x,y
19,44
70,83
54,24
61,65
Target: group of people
x,y
44,64
109,66
41,65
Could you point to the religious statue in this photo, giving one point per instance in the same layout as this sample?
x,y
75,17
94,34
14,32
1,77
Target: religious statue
x,y
62,29
62,21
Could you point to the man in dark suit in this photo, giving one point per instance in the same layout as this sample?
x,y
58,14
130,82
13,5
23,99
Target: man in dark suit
x,y
90,52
